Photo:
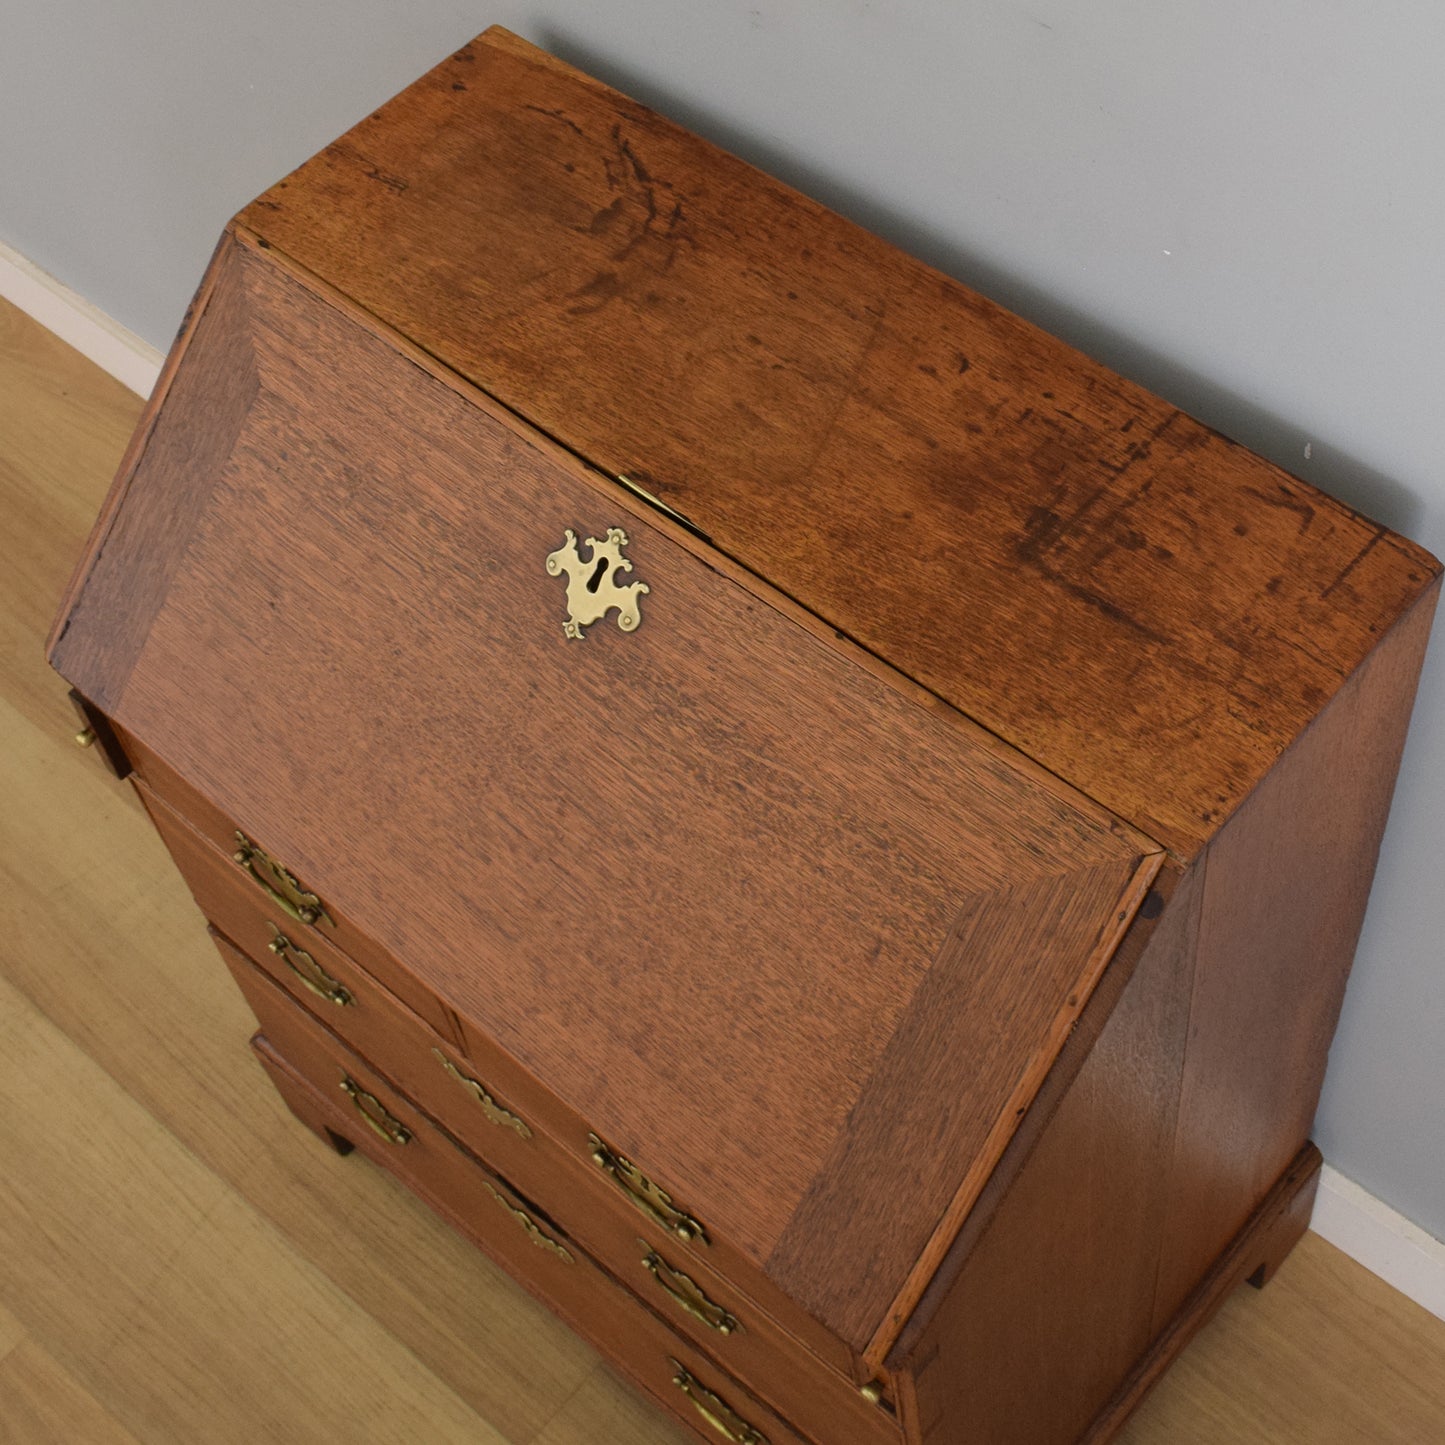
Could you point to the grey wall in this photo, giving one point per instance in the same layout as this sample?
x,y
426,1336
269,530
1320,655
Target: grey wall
x,y
1238,203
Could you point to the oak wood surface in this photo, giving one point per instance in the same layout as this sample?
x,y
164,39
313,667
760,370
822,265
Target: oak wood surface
x,y
562,1179
122,579
114,955
1185,1113
398,703
305,1068
1055,1301
1285,888
206,859
825,1403
1012,525
1256,1253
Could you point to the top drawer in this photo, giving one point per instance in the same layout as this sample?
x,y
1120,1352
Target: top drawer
x,y
769,917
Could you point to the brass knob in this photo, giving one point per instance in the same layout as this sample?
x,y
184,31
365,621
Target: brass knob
x,y
85,738
872,1391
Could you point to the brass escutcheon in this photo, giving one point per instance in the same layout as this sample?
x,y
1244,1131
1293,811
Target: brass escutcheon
x,y
687,1293
283,887
535,1232
374,1112
592,586
311,974
654,1202
493,1110
716,1411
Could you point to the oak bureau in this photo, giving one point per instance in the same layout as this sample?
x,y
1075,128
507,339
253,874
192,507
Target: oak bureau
x,y
822,828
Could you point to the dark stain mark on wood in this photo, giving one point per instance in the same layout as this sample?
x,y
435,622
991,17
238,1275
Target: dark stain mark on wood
x,y
1289,501
601,289
559,115
1354,562
1106,607
343,152
606,218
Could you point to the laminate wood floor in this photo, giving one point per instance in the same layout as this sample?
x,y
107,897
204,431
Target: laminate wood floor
x,y
181,1262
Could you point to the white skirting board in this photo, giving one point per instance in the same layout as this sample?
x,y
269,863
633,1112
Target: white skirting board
x,y
1351,1219
1385,1242
133,362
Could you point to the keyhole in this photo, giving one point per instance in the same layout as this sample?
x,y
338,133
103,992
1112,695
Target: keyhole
x,y
595,580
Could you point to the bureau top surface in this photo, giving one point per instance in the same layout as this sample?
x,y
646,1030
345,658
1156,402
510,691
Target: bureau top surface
x,y
1150,611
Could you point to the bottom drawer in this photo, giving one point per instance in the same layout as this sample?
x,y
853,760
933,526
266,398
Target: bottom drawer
x,y
337,1095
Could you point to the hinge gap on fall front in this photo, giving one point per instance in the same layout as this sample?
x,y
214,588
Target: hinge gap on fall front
x,y
644,495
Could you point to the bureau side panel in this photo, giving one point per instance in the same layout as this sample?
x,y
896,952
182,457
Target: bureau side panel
x,y
1285,890
1054,1303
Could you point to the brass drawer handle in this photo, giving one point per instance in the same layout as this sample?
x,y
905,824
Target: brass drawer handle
x,y
686,1293
718,1413
535,1232
374,1112
655,1203
308,970
493,1110
281,885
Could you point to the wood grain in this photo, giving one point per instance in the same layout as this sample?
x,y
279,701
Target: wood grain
x,y
244,1373
63,426
12,1332
1326,1355
374,696
117,955
206,844
1367,1367
677,317
42,1404
570,1284
134,550
1257,1252
715,778
1285,890
136,1307
984,977
97,930
1260,935
823,1403
1054,1301
140,437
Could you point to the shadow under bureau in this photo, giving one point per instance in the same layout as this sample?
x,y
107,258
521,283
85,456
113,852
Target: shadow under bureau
x,y
821,827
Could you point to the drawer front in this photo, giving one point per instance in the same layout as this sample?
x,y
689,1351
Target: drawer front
x,y
324,1082
695,1302
272,893
484,1099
